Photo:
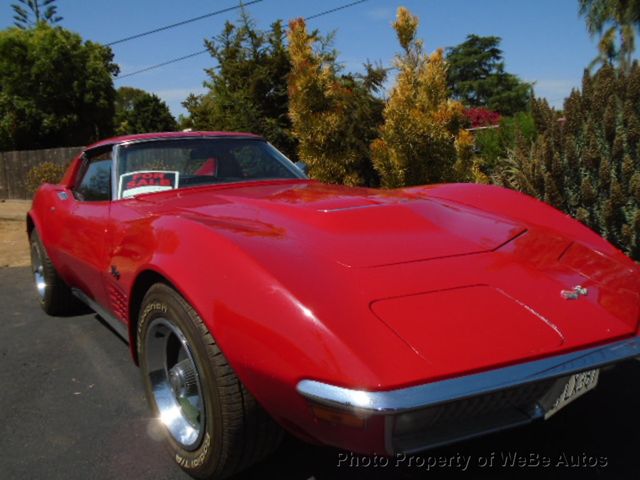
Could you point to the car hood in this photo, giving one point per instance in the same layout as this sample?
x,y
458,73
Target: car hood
x,y
355,227
538,295
463,288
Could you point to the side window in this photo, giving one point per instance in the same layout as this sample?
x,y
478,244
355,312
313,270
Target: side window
x,y
94,178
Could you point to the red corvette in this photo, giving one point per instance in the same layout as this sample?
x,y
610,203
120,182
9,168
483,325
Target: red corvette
x,y
257,300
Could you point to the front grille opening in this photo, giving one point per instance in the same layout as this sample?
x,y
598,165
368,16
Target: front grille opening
x,y
461,419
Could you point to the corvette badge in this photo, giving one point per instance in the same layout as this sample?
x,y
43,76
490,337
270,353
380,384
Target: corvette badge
x,y
574,293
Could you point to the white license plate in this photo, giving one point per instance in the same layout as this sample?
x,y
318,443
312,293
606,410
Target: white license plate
x,y
577,385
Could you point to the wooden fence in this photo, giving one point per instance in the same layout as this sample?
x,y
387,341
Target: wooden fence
x,y
14,167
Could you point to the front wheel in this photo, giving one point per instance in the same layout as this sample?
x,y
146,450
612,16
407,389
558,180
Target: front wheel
x,y
213,426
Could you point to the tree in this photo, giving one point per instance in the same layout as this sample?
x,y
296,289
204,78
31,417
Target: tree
x,y
248,87
615,22
55,89
334,116
477,77
420,141
137,111
587,160
41,11
495,144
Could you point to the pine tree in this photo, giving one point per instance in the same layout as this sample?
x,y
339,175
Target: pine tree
x,y
477,77
247,89
29,13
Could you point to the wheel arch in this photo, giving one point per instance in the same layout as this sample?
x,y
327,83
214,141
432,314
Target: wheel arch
x,y
36,216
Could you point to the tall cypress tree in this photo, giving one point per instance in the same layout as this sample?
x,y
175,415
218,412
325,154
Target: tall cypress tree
x,y
421,140
335,116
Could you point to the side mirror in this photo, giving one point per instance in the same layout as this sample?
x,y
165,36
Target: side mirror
x,y
303,167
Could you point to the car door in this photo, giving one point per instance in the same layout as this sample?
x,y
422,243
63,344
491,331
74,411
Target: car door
x,y
85,213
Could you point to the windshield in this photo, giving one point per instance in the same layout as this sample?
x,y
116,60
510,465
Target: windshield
x,y
158,165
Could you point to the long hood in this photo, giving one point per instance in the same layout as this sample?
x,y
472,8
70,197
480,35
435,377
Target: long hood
x,y
465,289
354,227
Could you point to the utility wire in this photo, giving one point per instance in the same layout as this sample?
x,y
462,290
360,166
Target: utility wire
x,y
326,12
184,22
168,62
201,52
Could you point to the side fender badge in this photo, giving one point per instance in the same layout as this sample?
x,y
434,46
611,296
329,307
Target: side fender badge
x,y
115,273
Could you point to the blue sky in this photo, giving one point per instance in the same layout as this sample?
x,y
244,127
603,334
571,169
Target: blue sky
x,y
543,41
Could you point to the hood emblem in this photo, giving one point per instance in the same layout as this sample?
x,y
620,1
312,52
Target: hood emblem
x,y
574,293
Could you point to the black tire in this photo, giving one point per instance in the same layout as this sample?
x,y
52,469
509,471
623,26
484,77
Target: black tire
x,y
235,432
54,294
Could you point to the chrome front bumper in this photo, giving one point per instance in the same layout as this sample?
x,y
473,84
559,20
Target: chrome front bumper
x,y
432,414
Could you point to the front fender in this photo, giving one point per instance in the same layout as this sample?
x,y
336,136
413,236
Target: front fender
x,y
271,337
516,205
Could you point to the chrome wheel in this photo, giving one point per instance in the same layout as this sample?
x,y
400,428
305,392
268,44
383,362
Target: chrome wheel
x,y
175,383
38,271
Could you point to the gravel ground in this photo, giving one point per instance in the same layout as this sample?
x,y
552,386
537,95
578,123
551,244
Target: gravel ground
x,y
14,247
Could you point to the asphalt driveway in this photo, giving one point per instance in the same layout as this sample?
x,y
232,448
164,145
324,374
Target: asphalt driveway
x,y
72,407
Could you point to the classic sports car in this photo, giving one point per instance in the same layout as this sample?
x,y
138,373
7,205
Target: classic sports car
x,y
379,321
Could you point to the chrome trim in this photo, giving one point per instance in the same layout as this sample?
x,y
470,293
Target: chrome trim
x,y
119,327
114,173
303,167
289,164
434,393
191,137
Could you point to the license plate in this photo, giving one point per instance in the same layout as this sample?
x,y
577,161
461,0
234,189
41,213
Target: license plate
x,y
577,385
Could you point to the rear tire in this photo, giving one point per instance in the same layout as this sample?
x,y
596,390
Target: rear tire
x,y
54,294
213,426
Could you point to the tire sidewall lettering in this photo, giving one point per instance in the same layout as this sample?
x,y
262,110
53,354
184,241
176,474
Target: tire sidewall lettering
x,y
200,458
146,315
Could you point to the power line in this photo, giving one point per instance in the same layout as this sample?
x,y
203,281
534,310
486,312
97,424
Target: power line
x,y
326,12
184,22
179,59
201,52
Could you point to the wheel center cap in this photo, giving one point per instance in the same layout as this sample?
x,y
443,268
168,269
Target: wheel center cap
x,y
182,378
175,381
